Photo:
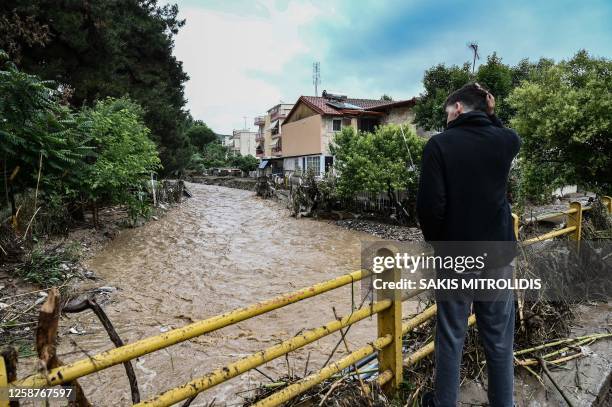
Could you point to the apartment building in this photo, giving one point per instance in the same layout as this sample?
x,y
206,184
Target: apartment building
x,y
268,139
242,142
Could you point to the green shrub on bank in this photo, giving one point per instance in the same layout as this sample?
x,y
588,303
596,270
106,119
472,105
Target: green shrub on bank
x,y
57,162
125,155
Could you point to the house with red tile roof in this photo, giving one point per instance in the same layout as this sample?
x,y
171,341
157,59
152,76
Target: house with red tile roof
x,y
310,126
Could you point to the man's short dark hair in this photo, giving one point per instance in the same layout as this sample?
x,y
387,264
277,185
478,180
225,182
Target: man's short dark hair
x,y
472,95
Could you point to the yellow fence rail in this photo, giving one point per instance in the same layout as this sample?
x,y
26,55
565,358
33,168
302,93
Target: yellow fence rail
x,y
388,344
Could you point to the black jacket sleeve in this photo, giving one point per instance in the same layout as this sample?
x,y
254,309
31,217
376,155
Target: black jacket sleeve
x,y
431,198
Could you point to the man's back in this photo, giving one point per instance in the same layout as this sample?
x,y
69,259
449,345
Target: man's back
x,y
463,188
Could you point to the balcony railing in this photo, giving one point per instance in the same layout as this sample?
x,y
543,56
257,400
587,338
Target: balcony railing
x,y
259,120
259,137
277,116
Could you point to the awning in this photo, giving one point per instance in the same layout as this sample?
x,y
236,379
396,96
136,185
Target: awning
x,y
263,164
273,125
274,142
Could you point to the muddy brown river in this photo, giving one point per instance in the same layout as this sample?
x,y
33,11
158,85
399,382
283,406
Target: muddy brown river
x,y
220,250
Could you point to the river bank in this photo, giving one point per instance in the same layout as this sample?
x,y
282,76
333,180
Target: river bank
x,y
58,261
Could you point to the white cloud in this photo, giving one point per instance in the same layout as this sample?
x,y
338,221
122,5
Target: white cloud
x,y
224,54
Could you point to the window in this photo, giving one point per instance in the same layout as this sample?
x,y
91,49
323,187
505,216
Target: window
x,y
336,125
314,163
368,125
296,165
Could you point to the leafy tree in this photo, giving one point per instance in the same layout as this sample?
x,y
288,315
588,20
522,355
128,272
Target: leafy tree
x,y
199,135
386,160
38,135
563,117
378,161
499,78
213,155
18,31
112,48
246,163
125,158
386,97
439,81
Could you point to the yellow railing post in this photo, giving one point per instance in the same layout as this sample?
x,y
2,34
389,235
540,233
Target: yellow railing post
x,y
3,383
575,219
515,225
607,201
390,323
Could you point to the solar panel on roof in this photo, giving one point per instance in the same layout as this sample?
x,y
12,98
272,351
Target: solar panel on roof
x,y
343,105
352,106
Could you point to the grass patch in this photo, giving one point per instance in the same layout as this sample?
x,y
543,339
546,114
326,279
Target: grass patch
x,y
49,267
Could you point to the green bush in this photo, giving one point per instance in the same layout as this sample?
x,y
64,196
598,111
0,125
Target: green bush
x,y
377,162
563,117
125,155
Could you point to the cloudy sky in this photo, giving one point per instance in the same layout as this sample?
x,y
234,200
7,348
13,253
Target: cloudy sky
x,y
243,57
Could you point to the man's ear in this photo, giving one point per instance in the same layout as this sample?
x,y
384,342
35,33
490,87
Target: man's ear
x,y
458,108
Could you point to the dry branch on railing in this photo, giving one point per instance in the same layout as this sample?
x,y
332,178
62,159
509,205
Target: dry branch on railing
x,y
46,336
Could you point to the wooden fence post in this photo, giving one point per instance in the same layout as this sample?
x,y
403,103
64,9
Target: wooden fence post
x,y
390,323
575,219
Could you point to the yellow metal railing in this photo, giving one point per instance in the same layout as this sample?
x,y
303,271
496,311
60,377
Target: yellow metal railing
x,y
388,343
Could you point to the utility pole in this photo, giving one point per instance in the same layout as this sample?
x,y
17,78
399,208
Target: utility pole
x,y
244,117
316,76
474,47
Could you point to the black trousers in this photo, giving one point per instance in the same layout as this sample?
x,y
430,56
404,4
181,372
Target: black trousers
x,y
495,321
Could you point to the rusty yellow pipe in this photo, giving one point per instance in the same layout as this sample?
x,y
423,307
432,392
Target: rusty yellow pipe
x,y
240,366
142,347
549,235
419,319
3,382
429,348
306,383
384,377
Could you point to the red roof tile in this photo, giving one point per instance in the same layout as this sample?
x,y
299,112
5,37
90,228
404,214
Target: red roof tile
x,y
320,104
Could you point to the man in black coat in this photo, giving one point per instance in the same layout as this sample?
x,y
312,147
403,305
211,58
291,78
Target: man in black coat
x,y
463,198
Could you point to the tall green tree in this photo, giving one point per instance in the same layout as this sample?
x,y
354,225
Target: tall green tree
x,y
38,135
439,81
563,116
200,135
499,78
113,48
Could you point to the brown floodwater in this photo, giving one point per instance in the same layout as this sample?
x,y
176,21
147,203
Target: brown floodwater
x,y
220,250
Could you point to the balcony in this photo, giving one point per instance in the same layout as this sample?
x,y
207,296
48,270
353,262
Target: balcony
x,y
259,137
277,147
259,120
280,115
